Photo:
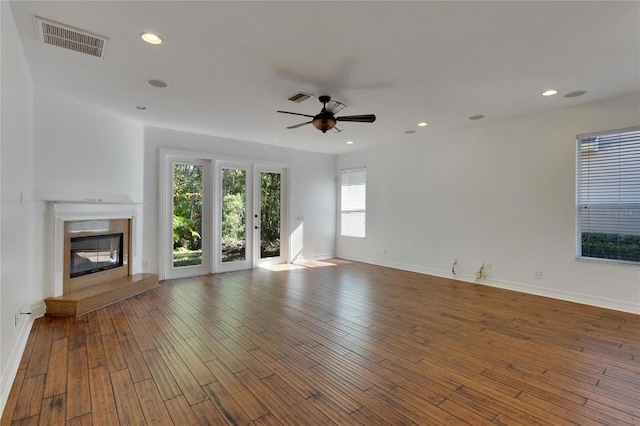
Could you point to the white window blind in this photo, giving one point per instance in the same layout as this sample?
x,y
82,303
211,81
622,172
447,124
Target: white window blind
x,y
608,195
353,196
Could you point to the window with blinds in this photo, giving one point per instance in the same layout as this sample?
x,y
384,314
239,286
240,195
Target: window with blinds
x,y
608,195
353,202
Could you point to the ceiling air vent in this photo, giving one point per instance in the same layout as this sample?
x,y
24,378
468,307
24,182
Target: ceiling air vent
x,y
299,97
61,35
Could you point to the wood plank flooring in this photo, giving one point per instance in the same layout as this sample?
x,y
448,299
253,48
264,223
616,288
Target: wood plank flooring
x,y
342,343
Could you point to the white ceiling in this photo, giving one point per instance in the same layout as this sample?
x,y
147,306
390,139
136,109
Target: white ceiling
x,y
231,65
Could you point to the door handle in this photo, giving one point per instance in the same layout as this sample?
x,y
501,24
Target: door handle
x,y
255,227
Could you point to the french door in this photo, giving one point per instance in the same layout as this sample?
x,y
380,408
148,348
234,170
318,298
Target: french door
x,y
251,216
234,205
188,250
269,218
221,216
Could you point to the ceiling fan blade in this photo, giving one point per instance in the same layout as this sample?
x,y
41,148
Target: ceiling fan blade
x,y
296,113
295,126
366,118
334,106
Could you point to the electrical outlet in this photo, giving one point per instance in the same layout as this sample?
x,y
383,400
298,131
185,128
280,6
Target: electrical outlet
x,y
538,275
384,251
488,265
145,263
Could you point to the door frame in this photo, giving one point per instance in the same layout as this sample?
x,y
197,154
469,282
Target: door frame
x,y
165,225
167,158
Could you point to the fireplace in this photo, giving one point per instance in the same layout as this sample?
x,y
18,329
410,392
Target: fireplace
x,y
83,237
95,258
93,254
95,251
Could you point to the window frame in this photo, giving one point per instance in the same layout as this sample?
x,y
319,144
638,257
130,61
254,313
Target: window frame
x,y
344,232
622,207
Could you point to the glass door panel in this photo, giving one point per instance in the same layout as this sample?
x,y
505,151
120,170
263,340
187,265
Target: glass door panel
x,y
270,215
234,240
234,215
187,248
187,215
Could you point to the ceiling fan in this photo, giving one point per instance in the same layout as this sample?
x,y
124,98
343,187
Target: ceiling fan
x,y
326,120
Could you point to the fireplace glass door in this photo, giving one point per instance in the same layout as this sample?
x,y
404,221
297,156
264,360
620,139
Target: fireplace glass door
x,y
94,254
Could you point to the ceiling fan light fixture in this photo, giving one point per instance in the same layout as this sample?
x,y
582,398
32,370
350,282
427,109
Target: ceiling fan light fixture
x,y
324,121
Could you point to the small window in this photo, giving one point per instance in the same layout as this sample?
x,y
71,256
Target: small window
x,y
608,195
353,203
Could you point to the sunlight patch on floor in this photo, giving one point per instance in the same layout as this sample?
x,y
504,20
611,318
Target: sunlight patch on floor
x,y
308,264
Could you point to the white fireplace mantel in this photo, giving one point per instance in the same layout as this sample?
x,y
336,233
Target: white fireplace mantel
x,y
64,211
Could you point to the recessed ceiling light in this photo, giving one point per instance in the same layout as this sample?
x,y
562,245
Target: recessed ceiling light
x,y
349,142
141,107
476,117
422,124
549,92
575,94
409,132
157,83
151,38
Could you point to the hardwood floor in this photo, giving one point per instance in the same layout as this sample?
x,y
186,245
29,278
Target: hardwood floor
x,y
346,343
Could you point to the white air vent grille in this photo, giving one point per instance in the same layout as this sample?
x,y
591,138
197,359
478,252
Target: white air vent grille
x,y
61,35
299,97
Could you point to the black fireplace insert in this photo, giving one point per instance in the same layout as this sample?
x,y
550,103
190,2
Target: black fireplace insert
x,y
95,253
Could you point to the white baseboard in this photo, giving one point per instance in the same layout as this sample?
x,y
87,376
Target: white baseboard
x,y
11,369
584,299
318,256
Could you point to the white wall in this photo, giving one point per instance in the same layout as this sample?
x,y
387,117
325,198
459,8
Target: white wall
x,y
16,179
502,193
312,192
85,152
